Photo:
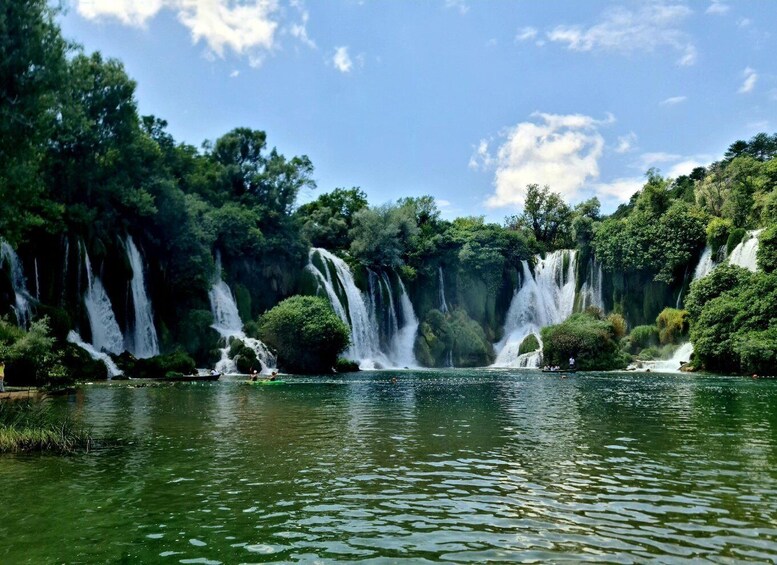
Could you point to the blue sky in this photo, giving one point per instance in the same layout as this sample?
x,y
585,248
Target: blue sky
x,y
466,101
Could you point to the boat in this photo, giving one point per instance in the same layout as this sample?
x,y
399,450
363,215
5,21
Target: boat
x,y
192,378
559,371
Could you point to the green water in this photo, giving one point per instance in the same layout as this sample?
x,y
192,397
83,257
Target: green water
x,y
454,466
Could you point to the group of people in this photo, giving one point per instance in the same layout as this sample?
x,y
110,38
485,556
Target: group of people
x,y
555,368
255,375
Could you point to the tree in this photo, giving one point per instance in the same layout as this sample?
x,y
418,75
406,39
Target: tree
x,y
32,65
546,215
326,221
381,236
306,333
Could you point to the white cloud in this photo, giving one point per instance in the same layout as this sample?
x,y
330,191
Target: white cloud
x,y
246,29
561,151
673,101
526,33
744,22
717,8
341,60
619,189
626,143
651,27
442,203
751,77
300,30
234,74
460,5
684,167
128,12
647,160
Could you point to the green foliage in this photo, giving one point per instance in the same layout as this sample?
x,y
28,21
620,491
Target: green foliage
x,y
455,334
31,356
34,426
767,249
735,238
530,343
306,333
619,326
326,221
381,236
157,367
718,231
244,357
590,340
724,278
733,329
642,337
346,366
672,325
548,217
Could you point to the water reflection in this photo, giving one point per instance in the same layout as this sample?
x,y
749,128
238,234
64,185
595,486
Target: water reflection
x,y
452,466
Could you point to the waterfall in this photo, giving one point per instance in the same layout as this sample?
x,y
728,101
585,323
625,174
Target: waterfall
x,y
706,264
591,290
22,299
144,341
744,254
443,304
113,370
545,298
106,335
37,281
681,355
382,330
227,322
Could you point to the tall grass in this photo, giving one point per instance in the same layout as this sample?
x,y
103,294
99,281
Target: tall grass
x,y
33,426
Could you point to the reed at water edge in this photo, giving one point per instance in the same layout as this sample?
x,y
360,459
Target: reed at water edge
x,y
27,426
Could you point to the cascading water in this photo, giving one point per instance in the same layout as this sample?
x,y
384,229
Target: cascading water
x,y
591,290
744,254
681,355
106,335
144,342
22,299
443,303
113,370
706,264
545,298
382,332
227,322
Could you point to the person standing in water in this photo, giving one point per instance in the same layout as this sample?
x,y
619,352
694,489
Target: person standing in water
x,y
571,362
2,375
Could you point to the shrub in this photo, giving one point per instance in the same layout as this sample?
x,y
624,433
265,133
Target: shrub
x,y
529,344
618,324
735,238
156,367
767,250
672,325
642,337
343,365
718,231
306,333
591,341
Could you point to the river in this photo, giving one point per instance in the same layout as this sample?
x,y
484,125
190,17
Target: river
x,y
452,466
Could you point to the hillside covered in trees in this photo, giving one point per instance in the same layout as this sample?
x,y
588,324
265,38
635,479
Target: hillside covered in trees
x,y
85,180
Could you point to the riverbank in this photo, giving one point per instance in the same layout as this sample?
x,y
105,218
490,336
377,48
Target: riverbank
x,y
30,425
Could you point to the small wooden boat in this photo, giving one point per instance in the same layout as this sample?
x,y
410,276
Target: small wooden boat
x,y
559,371
193,378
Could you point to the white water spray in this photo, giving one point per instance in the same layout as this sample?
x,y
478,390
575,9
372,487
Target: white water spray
x,y
144,340
113,370
106,335
227,322
545,298
362,313
443,303
745,253
22,299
